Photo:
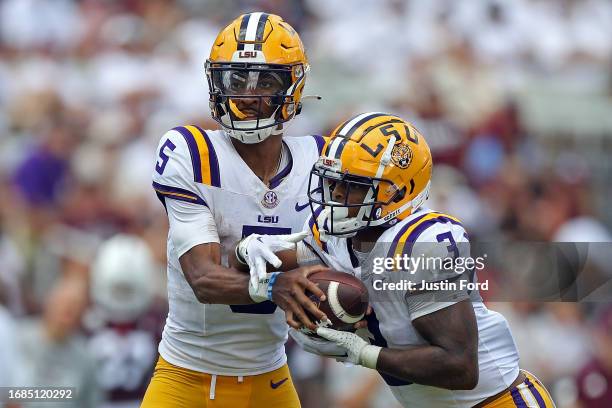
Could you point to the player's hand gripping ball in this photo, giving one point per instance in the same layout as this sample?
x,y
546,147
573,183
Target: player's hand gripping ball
x,y
346,303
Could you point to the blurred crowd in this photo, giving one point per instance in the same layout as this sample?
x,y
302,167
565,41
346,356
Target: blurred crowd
x,y
514,98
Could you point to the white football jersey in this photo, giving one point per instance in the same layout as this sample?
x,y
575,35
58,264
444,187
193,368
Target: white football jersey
x,y
203,168
390,324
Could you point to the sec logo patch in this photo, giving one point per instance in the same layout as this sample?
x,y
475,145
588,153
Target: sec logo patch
x,y
270,200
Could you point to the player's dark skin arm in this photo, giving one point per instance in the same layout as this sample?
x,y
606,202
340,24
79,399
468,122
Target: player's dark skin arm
x,y
213,283
449,361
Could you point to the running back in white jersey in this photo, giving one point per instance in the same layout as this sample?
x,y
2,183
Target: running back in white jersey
x,y
203,168
390,325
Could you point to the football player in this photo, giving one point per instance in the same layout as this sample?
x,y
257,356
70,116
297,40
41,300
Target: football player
x,y
223,342
440,348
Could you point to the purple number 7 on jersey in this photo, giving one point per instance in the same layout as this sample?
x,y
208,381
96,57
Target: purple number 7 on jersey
x,y
163,156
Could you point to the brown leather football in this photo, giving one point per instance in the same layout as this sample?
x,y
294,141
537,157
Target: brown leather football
x,y
347,298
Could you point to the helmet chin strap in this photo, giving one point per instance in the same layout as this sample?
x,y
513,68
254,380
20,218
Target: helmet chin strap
x,y
278,130
250,136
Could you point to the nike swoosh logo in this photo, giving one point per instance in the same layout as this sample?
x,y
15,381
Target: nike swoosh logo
x,y
278,384
299,207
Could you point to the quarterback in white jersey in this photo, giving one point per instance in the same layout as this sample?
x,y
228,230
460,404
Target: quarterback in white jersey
x,y
434,343
219,338
224,336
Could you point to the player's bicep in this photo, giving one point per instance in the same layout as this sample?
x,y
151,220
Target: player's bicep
x,y
452,328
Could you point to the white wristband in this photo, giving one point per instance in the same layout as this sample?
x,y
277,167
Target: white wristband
x,y
263,290
369,356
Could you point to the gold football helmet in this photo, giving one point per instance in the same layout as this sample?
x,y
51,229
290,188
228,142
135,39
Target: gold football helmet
x,y
381,155
256,74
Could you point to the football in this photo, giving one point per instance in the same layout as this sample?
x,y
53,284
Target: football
x,y
347,298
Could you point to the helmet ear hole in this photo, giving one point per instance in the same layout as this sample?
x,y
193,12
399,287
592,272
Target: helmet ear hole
x,y
400,195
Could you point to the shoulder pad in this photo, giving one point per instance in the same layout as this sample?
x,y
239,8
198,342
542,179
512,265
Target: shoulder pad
x,y
409,233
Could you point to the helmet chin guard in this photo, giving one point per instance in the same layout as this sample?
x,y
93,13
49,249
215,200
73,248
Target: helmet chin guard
x,y
249,131
251,136
335,221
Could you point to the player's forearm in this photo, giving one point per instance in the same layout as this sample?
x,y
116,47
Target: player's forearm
x,y
220,285
430,365
211,282
289,259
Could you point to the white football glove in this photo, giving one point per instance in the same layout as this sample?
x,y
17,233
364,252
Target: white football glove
x,y
318,346
255,250
358,350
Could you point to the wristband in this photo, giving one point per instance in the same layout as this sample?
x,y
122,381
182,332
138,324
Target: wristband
x,y
263,291
272,281
369,356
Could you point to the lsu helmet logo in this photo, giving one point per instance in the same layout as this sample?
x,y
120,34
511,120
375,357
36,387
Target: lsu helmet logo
x,y
330,163
247,54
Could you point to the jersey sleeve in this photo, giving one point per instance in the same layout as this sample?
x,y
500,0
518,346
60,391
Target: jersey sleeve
x,y
182,183
190,225
432,254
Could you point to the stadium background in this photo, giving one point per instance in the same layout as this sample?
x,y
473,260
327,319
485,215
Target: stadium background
x,y
515,98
